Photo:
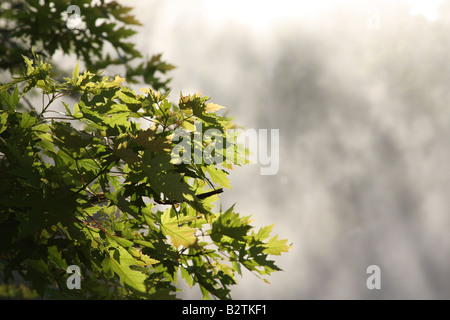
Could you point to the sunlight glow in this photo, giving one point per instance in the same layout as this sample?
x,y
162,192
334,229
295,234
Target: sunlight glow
x,y
427,8
259,14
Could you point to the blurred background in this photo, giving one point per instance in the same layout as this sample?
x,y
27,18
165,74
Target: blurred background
x,y
360,93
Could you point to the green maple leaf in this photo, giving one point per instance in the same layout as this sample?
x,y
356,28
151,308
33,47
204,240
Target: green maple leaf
x,y
119,262
263,233
126,154
149,140
179,236
276,247
218,176
230,225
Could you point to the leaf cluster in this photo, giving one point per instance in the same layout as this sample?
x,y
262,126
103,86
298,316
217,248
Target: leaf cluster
x,y
85,188
102,40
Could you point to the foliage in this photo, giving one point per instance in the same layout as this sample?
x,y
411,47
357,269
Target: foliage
x,y
106,24
95,186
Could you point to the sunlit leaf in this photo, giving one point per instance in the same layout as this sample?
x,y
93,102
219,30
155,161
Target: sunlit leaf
x,y
179,236
276,247
119,262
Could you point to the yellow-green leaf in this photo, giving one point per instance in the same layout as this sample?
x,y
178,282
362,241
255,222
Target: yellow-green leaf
x,y
212,107
179,236
218,176
276,247
148,140
119,261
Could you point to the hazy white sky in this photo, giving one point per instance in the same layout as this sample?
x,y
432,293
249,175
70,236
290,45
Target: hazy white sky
x,y
427,8
260,13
